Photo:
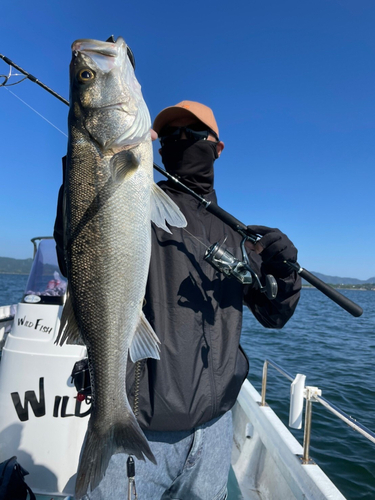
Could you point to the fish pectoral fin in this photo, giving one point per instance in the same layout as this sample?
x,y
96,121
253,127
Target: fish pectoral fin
x,y
163,210
69,331
145,342
123,164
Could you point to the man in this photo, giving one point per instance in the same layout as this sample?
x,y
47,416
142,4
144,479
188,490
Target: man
x,y
182,401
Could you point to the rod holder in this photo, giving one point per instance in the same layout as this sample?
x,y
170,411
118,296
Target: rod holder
x,y
297,389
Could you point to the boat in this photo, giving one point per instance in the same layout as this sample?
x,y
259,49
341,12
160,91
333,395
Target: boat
x,y
43,421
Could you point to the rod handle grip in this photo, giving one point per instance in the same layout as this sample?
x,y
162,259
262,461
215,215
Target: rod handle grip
x,y
347,304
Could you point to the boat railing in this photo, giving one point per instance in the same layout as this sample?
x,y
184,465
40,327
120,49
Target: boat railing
x,y
6,320
311,394
38,239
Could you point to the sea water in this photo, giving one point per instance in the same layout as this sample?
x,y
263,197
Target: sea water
x,y
12,288
336,353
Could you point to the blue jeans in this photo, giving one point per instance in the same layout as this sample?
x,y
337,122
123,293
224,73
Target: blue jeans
x,y
190,466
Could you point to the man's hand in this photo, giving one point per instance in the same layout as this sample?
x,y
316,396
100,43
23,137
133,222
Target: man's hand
x,y
275,248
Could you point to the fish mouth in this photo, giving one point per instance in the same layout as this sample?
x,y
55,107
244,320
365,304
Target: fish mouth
x,y
108,49
106,55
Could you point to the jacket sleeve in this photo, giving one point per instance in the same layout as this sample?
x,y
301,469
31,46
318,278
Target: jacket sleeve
x,y
58,232
273,313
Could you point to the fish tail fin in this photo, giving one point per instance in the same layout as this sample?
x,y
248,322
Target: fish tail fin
x,y
98,448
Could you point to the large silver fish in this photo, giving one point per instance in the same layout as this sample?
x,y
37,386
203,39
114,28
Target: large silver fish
x,y
109,201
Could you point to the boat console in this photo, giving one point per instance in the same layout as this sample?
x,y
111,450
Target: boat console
x,y
41,420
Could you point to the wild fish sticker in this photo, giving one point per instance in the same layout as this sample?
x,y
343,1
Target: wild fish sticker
x,y
38,324
62,405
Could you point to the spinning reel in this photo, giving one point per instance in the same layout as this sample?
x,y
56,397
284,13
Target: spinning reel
x,y
222,260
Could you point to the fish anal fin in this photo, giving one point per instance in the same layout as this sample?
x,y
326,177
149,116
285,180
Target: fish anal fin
x,y
68,331
145,342
123,164
163,210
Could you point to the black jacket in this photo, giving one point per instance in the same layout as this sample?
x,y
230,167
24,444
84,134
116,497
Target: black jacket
x,y
197,314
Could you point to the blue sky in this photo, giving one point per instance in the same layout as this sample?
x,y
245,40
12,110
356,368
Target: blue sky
x,y
291,84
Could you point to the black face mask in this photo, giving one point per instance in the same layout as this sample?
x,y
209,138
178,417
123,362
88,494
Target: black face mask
x,y
192,161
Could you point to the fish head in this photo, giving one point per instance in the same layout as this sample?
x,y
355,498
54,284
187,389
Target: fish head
x,y
105,97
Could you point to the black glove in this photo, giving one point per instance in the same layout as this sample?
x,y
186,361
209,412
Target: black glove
x,y
277,248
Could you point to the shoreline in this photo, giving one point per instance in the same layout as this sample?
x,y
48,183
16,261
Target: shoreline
x,y
360,288
14,274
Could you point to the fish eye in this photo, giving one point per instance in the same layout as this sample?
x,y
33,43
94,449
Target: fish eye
x,y
86,75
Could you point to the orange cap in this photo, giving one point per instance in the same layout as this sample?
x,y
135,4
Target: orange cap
x,y
184,108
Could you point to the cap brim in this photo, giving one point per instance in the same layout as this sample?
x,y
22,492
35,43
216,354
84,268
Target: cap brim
x,y
168,115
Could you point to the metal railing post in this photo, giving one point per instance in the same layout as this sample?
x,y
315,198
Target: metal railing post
x,y
307,431
264,383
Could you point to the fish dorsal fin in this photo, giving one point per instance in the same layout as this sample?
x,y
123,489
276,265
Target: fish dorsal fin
x,y
68,331
145,342
163,210
123,164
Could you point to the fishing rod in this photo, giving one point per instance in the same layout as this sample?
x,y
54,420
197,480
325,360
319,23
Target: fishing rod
x,y
215,255
349,306
30,77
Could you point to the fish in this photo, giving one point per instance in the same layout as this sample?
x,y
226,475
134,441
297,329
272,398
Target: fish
x,y
109,201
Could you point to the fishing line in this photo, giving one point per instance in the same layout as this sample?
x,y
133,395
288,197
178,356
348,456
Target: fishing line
x,y
35,111
199,241
6,78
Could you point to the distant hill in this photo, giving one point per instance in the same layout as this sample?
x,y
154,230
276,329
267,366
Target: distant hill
x,y
15,266
336,280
